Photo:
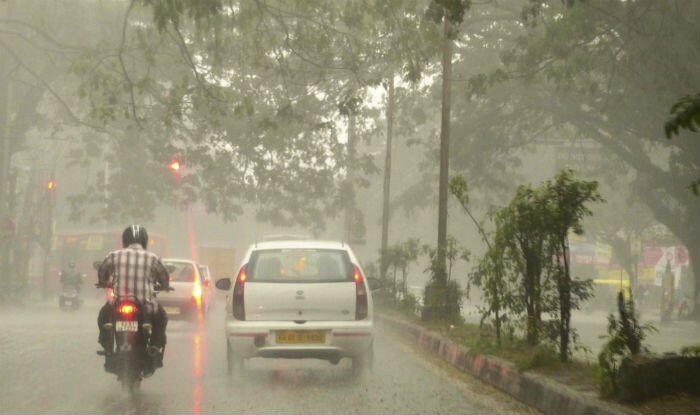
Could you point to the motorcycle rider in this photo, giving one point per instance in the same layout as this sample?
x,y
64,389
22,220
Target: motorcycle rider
x,y
71,278
135,274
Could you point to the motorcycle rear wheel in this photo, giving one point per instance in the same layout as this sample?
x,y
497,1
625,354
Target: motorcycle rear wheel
x,y
130,380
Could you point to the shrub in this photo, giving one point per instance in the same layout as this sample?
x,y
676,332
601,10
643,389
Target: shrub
x,y
625,338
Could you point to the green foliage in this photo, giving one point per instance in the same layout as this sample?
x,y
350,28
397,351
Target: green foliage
x,y
443,297
568,200
522,231
398,258
173,11
526,265
691,351
442,302
582,68
454,10
499,291
625,338
543,356
684,114
409,304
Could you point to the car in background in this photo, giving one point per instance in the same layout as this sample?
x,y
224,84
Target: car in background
x,y
299,299
205,274
193,290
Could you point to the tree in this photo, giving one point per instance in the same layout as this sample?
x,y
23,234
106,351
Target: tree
x,y
450,13
523,234
526,266
39,42
567,198
597,70
623,223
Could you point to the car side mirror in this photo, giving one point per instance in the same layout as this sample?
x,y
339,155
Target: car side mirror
x,y
223,284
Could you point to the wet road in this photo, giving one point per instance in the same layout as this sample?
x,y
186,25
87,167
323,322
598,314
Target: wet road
x,y
48,363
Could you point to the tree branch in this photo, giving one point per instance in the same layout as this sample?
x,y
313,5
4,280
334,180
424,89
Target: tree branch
x,y
125,72
48,87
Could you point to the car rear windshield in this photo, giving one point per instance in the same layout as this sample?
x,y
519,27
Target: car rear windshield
x,y
299,265
181,271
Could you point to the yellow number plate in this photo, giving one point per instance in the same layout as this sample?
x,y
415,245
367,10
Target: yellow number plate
x,y
300,336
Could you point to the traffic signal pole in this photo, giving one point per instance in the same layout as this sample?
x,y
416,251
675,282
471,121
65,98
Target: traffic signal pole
x,y
50,193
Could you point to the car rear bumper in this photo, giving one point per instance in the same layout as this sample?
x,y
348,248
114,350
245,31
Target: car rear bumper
x,y
259,339
180,307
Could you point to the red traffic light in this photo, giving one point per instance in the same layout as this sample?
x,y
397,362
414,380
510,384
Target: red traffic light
x,y
174,166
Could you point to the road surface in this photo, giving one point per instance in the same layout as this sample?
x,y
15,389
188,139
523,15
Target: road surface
x,y
48,364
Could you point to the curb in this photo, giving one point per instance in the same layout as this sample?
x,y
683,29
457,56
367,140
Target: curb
x,y
539,392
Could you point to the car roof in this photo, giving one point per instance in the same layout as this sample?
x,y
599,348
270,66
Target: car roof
x,y
189,261
299,243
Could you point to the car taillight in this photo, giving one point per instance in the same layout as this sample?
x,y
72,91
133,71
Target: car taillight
x,y
360,294
127,309
197,292
238,288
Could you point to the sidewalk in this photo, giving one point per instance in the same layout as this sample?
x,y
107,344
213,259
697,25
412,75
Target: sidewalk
x,y
539,392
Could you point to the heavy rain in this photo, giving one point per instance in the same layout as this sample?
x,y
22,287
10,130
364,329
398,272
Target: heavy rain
x,y
351,206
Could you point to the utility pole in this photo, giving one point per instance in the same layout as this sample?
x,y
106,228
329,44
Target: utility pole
x,y
5,158
387,177
444,149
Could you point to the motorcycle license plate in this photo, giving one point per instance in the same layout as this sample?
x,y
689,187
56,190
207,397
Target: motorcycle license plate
x,y
127,325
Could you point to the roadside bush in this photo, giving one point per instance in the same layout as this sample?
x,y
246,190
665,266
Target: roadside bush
x,y
443,302
542,356
625,338
691,351
409,304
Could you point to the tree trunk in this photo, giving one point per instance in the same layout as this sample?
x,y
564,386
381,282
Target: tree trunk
x,y
444,149
4,166
564,303
693,247
387,177
531,283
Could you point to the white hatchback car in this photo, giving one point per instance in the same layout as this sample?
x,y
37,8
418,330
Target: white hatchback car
x,y
299,299
192,292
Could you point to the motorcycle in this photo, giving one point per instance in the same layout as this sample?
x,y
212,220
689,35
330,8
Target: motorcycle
x,y
133,358
70,298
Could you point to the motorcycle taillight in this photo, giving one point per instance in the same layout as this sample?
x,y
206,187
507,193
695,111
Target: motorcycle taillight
x,y
126,309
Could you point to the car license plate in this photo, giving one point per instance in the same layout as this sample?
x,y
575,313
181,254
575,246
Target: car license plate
x,y
172,310
300,336
127,326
